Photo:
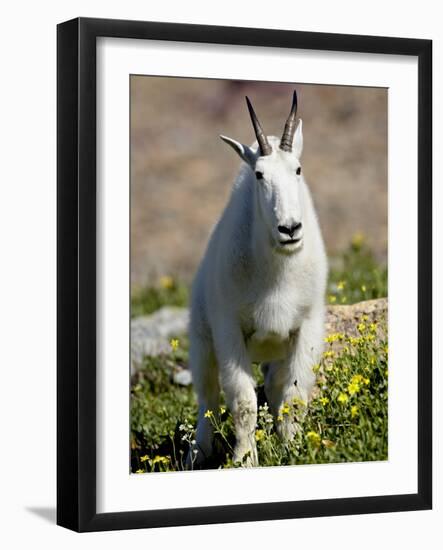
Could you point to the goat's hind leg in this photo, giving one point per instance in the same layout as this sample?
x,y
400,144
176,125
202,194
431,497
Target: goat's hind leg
x,y
206,385
280,393
307,352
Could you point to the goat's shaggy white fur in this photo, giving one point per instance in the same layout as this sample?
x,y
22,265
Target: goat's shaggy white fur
x,y
258,298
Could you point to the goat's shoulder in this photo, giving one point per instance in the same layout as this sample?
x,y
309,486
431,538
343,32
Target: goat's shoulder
x,y
232,242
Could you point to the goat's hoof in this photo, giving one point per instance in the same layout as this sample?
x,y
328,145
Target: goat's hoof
x,y
287,429
247,458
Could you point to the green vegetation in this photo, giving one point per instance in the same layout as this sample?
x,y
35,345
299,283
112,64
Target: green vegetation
x,y
346,420
168,292
356,276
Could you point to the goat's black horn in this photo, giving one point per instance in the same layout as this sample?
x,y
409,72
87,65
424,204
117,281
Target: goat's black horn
x,y
289,131
265,148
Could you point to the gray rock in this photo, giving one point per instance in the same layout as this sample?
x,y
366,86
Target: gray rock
x,y
150,334
346,318
182,377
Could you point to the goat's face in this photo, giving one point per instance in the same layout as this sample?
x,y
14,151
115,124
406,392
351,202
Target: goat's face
x,y
276,165
279,195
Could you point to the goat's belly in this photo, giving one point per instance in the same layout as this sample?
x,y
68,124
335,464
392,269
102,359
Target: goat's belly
x,y
267,348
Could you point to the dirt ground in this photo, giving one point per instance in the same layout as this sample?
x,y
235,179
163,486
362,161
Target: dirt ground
x,y
181,172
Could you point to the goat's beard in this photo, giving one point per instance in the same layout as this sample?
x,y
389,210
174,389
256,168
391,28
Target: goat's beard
x,y
289,249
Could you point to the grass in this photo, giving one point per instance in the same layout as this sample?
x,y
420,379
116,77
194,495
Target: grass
x,y
346,420
168,292
356,276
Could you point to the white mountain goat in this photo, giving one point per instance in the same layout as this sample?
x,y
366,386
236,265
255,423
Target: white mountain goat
x,y
258,295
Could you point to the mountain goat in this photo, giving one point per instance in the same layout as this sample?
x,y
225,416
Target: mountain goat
x,y
258,295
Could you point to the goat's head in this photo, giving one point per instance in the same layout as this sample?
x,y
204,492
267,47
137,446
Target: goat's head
x,y
276,165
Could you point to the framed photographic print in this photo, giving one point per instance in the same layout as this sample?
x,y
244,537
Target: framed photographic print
x,y
244,274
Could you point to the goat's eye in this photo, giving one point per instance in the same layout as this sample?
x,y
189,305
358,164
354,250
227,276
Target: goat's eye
x,y
259,175
298,171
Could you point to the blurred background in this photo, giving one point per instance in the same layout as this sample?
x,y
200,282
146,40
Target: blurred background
x,y
182,173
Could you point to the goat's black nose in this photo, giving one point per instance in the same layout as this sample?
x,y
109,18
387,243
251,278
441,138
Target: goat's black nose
x,y
289,230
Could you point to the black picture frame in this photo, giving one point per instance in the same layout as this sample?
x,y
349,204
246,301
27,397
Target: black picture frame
x,y
76,277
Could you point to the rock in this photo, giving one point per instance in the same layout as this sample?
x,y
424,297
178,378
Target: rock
x,y
182,377
346,318
150,334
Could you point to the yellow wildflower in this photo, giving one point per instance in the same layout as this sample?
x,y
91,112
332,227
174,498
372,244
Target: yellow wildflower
x,y
361,327
328,354
357,379
342,398
366,381
208,414
313,437
259,435
166,282
353,387
373,327
174,344
369,338
332,299
358,240
285,409
298,402
341,285
144,458
315,368
363,288
324,400
222,410
160,459
354,411
280,418
337,336
364,318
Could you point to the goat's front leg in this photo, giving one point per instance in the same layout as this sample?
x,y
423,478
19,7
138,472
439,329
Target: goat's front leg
x,y
293,378
238,384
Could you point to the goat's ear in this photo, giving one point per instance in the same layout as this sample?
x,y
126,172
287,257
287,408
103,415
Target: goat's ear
x,y
244,152
297,144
